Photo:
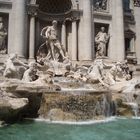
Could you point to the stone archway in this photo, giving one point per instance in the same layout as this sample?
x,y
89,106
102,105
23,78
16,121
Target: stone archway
x,y
67,13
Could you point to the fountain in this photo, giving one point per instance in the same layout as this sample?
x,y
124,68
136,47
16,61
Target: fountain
x,y
55,89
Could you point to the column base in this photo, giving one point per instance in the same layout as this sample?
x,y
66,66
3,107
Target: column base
x,y
31,60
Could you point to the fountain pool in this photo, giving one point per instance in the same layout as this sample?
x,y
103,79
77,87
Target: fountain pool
x,y
117,129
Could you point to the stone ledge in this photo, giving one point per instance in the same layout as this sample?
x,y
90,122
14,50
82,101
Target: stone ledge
x,y
6,4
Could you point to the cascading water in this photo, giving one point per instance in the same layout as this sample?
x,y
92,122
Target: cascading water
x,y
135,108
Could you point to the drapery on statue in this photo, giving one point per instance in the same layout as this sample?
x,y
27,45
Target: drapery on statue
x,y
101,40
3,34
53,47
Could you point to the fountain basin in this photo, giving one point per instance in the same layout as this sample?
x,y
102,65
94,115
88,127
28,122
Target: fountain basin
x,y
75,105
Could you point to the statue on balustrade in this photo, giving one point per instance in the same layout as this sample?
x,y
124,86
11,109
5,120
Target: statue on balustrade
x,y
3,35
52,48
101,41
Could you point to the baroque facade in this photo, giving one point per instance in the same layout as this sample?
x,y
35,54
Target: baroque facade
x,y
79,21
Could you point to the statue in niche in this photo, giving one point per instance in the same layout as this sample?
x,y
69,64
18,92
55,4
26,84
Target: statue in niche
x,y
3,35
100,5
101,40
53,49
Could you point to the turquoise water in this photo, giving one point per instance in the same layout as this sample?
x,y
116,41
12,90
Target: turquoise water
x,y
121,129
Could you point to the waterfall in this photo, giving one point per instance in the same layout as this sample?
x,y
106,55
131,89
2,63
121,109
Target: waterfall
x,y
135,108
132,102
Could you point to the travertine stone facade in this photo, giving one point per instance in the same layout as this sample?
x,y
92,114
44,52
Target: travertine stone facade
x,y
79,21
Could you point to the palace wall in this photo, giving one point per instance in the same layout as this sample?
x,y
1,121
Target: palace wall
x,y
77,29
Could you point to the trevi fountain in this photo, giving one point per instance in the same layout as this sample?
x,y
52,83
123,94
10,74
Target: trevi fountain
x,y
55,90
55,98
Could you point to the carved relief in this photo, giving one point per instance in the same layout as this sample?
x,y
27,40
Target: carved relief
x,y
137,3
100,5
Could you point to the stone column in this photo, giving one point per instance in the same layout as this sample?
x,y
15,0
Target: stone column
x,y
86,37
74,40
117,50
32,11
63,35
32,38
137,42
19,26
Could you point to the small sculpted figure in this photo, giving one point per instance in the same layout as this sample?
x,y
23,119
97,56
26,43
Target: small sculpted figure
x,y
31,73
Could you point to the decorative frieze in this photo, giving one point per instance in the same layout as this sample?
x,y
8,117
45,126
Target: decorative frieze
x,y
101,5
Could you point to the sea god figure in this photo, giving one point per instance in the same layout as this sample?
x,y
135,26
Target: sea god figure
x,y
52,40
101,40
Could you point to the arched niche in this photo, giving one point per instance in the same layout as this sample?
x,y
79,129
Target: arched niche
x,y
55,6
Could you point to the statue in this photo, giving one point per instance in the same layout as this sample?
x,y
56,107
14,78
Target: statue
x,y
54,48
31,73
10,70
96,72
119,72
3,35
101,40
104,4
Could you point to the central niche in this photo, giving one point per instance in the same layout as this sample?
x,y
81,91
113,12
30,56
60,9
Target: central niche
x,y
54,6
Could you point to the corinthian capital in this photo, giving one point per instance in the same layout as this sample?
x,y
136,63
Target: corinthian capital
x,y
32,9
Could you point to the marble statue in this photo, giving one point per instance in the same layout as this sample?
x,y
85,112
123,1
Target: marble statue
x,y
96,72
45,78
101,41
119,72
126,72
54,48
31,73
10,70
77,75
3,35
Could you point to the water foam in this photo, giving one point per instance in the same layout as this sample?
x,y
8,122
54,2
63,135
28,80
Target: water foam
x,y
110,119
